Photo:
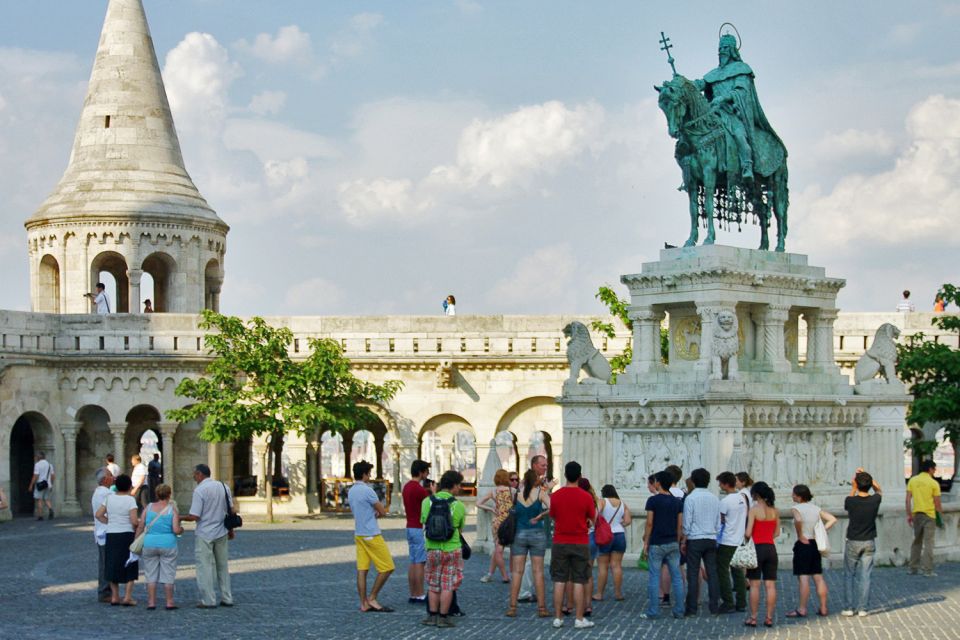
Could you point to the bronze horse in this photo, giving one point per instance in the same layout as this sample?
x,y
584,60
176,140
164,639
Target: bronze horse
x,y
711,174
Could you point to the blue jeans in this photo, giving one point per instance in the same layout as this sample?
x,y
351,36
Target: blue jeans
x,y
657,556
857,553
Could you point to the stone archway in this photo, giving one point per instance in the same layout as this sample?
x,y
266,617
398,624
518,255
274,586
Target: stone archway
x,y
162,269
48,300
537,426
31,434
438,439
140,420
116,265
213,282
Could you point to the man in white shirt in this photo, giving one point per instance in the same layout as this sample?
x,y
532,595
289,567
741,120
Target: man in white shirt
x,y
41,484
208,509
112,466
905,306
733,525
139,479
100,300
104,480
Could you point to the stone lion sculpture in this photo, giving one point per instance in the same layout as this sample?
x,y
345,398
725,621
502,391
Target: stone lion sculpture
x,y
880,358
726,345
581,354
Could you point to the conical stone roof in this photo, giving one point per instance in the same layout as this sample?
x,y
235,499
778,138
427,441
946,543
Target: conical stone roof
x,y
126,163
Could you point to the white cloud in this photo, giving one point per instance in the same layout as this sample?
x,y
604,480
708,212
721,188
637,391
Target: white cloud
x,y
915,202
198,73
289,45
281,173
493,154
268,102
314,295
541,280
855,142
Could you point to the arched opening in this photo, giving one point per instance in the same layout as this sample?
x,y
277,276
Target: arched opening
x,y
49,281
244,477
944,455
142,437
447,441
536,423
161,268
93,445
507,451
146,292
31,434
213,281
338,452
117,285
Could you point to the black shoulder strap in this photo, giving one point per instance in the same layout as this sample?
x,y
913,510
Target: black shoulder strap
x,y
227,496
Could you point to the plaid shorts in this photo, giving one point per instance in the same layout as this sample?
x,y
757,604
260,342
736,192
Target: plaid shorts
x,y
444,570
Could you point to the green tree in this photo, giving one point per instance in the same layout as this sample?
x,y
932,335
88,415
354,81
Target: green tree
x,y
253,387
932,369
619,309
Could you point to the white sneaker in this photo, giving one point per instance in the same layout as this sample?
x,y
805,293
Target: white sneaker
x,y
582,624
487,578
557,623
847,612
863,614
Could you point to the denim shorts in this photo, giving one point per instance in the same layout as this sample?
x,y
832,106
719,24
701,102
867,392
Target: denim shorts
x,y
532,541
618,545
417,546
594,550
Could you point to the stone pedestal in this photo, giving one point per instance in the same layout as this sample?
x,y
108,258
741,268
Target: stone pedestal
x,y
762,412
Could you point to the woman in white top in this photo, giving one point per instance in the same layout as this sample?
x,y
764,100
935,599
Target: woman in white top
x,y
617,514
119,513
744,482
450,306
807,560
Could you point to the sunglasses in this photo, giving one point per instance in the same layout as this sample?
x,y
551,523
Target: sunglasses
x,y
514,479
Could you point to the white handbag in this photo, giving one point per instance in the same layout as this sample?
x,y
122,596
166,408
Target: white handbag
x,y
745,557
820,535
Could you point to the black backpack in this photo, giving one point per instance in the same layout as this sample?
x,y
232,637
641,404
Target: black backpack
x,y
439,524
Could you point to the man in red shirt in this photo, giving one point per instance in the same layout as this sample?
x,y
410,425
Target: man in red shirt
x,y
572,509
414,494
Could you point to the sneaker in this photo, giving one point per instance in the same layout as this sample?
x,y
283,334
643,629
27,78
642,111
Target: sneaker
x,y
926,574
51,514
557,623
726,608
430,620
487,578
445,623
526,596
644,616
665,601
863,614
847,613
420,600
582,623
912,572
457,614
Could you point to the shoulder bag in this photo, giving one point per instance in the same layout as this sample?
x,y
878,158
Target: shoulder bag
x,y
820,535
507,531
232,520
137,545
745,557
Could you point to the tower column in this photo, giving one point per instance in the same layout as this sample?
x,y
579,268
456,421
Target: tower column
x,y
134,276
117,431
69,432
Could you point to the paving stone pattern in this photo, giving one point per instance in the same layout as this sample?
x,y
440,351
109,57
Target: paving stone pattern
x,y
297,580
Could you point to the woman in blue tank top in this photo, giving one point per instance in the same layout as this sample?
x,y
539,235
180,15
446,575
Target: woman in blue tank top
x,y
161,521
532,506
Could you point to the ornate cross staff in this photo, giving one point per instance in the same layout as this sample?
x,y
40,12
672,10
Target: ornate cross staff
x,y
665,41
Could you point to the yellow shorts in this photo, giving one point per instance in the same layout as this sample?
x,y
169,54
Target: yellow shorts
x,y
373,548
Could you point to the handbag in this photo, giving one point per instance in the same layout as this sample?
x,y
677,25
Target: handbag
x,y
745,557
465,550
43,485
602,533
820,535
507,531
232,520
137,545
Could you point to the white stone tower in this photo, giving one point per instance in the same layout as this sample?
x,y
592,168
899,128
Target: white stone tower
x,y
126,205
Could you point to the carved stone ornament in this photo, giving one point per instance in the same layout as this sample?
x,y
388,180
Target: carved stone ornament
x,y
581,354
880,358
726,345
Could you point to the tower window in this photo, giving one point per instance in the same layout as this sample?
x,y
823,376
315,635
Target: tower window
x,y
106,122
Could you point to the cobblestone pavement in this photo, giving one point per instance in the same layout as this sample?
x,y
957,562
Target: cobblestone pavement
x,y
296,579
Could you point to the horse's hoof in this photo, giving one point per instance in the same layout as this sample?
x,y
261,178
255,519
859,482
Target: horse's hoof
x,y
708,241
780,248
690,243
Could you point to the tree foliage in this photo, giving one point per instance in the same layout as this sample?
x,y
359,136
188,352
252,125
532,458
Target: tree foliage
x,y
932,369
619,309
252,385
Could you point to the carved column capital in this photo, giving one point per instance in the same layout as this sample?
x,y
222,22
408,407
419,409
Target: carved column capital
x,y
776,313
117,428
69,430
168,430
134,275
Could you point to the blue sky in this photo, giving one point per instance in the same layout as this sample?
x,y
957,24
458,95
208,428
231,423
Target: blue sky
x,y
373,157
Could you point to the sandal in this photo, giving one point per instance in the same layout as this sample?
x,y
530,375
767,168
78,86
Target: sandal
x,y
768,622
565,611
750,622
543,613
512,611
796,614
822,613
597,598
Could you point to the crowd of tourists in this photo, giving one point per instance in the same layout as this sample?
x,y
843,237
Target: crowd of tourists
x,y
692,539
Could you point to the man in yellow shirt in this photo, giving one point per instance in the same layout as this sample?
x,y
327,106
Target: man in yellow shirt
x,y
923,506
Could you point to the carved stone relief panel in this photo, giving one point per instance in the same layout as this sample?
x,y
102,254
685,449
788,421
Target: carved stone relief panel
x,y
638,454
785,458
